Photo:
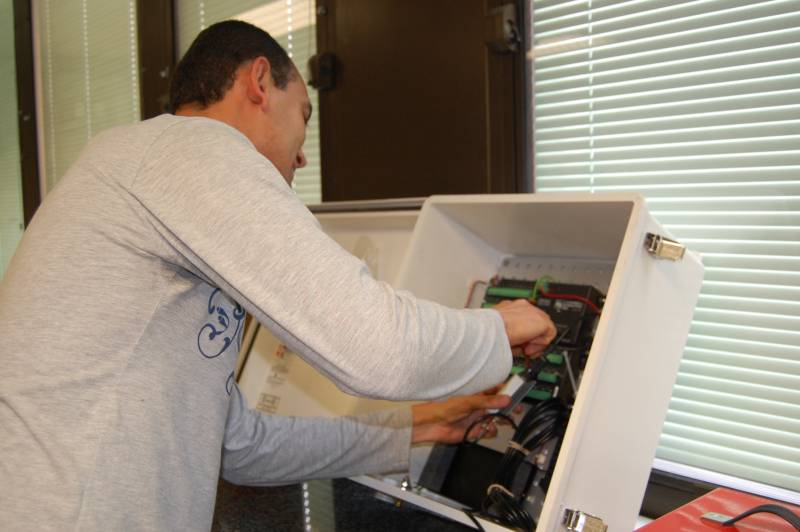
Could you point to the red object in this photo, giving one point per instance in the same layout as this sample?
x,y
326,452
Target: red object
x,y
725,501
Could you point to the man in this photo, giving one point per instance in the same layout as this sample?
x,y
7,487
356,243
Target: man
x,y
122,311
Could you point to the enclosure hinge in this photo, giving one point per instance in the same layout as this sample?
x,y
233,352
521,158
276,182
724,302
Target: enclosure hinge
x,y
664,248
577,521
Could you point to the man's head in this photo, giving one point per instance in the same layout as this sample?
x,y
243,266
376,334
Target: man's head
x,y
236,73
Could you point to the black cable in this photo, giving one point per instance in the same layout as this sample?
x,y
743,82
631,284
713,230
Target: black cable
x,y
508,510
543,422
475,520
774,509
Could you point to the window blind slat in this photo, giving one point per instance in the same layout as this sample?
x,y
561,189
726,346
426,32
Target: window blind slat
x,y
698,176
744,388
554,65
742,404
581,111
769,457
708,122
741,275
688,452
750,290
600,137
728,203
743,346
735,415
754,439
745,319
745,232
743,360
738,332
673,32
751,304
619,95
709,65
719,370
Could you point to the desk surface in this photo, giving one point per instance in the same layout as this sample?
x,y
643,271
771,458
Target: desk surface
x,y
722,501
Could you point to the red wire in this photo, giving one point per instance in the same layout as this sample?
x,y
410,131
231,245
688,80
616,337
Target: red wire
x,y
572,297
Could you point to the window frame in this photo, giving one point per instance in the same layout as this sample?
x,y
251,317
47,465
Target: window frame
x,y
26,112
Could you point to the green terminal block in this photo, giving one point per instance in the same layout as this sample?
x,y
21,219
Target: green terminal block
x,y
516,370
487,305
555,359
506,291
540,395
545,376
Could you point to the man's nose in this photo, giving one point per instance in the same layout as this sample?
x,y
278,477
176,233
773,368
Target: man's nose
x,y
300,160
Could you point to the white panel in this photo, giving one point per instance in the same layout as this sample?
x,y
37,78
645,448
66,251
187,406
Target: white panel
x,y
626,386
615,425
280,382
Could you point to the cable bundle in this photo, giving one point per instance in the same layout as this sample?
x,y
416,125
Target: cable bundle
x,y
541,423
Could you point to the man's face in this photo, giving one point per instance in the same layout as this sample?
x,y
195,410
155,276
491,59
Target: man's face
x,y
288,113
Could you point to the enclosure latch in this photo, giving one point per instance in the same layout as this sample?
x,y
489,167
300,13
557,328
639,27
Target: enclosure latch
x,y
577,521
664,248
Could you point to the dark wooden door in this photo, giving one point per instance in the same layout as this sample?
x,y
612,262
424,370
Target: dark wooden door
x,y
422,103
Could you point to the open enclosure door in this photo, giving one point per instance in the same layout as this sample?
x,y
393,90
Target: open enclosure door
x,y
420,97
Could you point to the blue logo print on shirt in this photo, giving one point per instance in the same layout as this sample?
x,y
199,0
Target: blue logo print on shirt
x,y
217,336
229,384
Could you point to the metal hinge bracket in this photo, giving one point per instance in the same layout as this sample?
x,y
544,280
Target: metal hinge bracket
x,y
663,247
577,521
503,34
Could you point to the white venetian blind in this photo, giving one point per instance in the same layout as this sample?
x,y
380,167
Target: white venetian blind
x,y
88,67
11,220
292,24
697,106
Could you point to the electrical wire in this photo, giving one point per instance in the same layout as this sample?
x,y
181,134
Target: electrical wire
x,y
542,284
572,379
573,297
542,423
483,419
474,520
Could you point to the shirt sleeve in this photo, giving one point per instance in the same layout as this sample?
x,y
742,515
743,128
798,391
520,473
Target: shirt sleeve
x,y
226,210
264,450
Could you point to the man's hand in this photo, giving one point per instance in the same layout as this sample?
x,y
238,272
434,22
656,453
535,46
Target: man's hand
x,y
529,329
446,421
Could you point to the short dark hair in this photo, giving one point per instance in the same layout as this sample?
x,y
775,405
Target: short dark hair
x,y
208,69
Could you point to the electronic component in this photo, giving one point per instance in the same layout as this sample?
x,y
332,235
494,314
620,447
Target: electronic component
x,y
510,486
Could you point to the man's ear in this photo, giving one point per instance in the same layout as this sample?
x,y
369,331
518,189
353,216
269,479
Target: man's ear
x,y
258,77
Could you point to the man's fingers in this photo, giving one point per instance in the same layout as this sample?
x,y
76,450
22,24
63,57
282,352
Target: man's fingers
x,y
533,349
494,401
489,428
524,322
493,390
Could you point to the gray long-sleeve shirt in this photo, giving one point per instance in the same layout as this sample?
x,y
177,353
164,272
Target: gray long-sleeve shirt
x,y
121,315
